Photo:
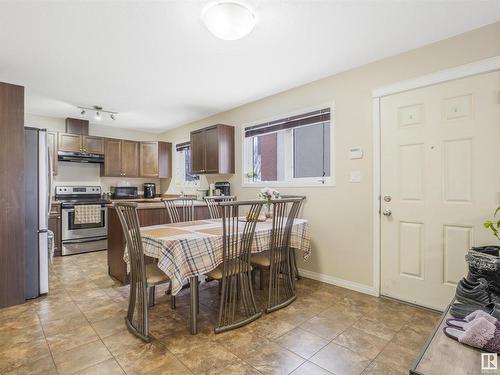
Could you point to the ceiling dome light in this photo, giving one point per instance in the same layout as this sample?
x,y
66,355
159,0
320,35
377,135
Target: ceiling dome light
x,y
228,19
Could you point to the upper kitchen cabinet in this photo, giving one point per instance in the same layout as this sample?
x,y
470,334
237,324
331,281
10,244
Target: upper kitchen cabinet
x,y
93,145
80,143
212,150
52,142
155,159
70,142
121,158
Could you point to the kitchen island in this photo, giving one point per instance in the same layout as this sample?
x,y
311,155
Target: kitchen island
x,y
150,212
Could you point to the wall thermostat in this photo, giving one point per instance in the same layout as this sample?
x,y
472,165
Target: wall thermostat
x,y
356,153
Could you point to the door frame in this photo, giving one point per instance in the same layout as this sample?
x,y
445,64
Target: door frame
x,y
462,71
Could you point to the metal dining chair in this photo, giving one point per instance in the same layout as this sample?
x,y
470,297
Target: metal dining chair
x,y
213,205
237,305
180,209
293,259
143,277
278,259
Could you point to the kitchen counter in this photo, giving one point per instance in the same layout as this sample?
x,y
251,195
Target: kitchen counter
x,y
152,203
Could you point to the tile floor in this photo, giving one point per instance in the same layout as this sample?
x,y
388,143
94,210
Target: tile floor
x,y
79,329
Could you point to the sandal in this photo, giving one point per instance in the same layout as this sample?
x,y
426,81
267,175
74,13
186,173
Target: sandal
x,y
464,323
480,334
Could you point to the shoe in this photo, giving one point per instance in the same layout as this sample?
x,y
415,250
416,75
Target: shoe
x,y
462,310
474,293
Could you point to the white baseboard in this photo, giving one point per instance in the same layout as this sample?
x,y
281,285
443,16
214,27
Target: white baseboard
x,y
362,288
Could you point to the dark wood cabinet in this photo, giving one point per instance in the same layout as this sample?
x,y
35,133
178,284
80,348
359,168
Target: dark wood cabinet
x,y
12,214
55,226
52,142
121,158
69,142
77,126
155,159
80,143
92,145
112,165
197,151
130,158
212,150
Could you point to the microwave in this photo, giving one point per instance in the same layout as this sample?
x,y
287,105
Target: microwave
x,y
125,192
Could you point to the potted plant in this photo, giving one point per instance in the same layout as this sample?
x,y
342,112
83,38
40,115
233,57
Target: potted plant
x,y
494,224
269,194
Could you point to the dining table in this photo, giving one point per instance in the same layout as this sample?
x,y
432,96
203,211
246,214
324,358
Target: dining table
x,y
187,250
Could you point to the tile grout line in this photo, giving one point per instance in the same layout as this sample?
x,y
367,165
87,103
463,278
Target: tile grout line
x,y
47,342
97,334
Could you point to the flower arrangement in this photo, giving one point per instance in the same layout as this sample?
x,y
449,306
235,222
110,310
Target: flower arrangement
x,y
269,194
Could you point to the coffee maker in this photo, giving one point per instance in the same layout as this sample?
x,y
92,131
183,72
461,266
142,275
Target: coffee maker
x,y
149,190
224,188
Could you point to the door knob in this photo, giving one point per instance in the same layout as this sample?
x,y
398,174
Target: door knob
x,y
387,213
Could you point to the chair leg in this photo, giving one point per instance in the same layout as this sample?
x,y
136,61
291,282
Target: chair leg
x,y
261,281
295,268
172,302
151,296
220,286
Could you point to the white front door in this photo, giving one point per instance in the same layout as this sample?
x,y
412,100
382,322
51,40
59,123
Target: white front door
x,y
440,179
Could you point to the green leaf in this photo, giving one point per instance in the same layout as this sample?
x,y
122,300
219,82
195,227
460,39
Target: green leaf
x,y
496,211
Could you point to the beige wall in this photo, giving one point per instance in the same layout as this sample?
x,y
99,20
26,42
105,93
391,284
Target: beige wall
x,y
341,216
89,174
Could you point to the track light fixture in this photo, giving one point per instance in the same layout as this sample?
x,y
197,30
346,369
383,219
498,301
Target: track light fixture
x,y
98,111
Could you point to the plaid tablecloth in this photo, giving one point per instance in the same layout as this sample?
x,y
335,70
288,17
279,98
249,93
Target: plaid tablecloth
x,y
194,248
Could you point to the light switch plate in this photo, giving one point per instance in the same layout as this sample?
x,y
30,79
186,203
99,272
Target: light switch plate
x,y
355,153
355,176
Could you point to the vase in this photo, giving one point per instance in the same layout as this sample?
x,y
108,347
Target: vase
x,y
269,210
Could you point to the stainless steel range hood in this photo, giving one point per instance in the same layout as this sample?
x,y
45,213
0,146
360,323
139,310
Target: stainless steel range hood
x,y
80,157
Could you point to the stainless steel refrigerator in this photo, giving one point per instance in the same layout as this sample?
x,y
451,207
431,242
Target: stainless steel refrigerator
x,y
37,181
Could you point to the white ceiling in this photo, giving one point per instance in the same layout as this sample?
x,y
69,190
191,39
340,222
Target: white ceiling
x,y
156,64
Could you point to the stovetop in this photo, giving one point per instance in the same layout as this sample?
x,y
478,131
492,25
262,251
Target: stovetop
x,y
78,195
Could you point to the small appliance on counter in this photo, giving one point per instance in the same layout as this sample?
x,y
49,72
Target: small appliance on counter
x,y
224,188
149,190
125,192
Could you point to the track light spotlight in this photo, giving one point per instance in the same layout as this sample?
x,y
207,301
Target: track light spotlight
x,y
97,116
112,116
83,112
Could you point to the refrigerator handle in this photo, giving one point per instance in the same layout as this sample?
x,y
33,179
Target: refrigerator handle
x,y
50,180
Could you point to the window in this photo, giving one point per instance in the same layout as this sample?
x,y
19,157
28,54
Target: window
x,y
184,178
293,150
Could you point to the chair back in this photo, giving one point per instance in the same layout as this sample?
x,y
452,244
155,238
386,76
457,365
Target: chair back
x,y
180,209
237,306
213,205
281,278
127,213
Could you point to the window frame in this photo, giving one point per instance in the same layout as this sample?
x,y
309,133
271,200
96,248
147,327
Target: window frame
x,y
289,180
180,171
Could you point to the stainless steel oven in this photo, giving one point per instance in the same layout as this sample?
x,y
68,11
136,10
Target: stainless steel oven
x,y
82,238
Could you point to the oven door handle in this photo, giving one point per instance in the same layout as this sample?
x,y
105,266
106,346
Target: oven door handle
x,y
83,240
73,210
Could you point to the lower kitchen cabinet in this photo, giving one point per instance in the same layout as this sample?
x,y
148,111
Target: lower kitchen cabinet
x,y
55,226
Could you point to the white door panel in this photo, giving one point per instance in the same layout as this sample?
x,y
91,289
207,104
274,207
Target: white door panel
x,y
440,146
